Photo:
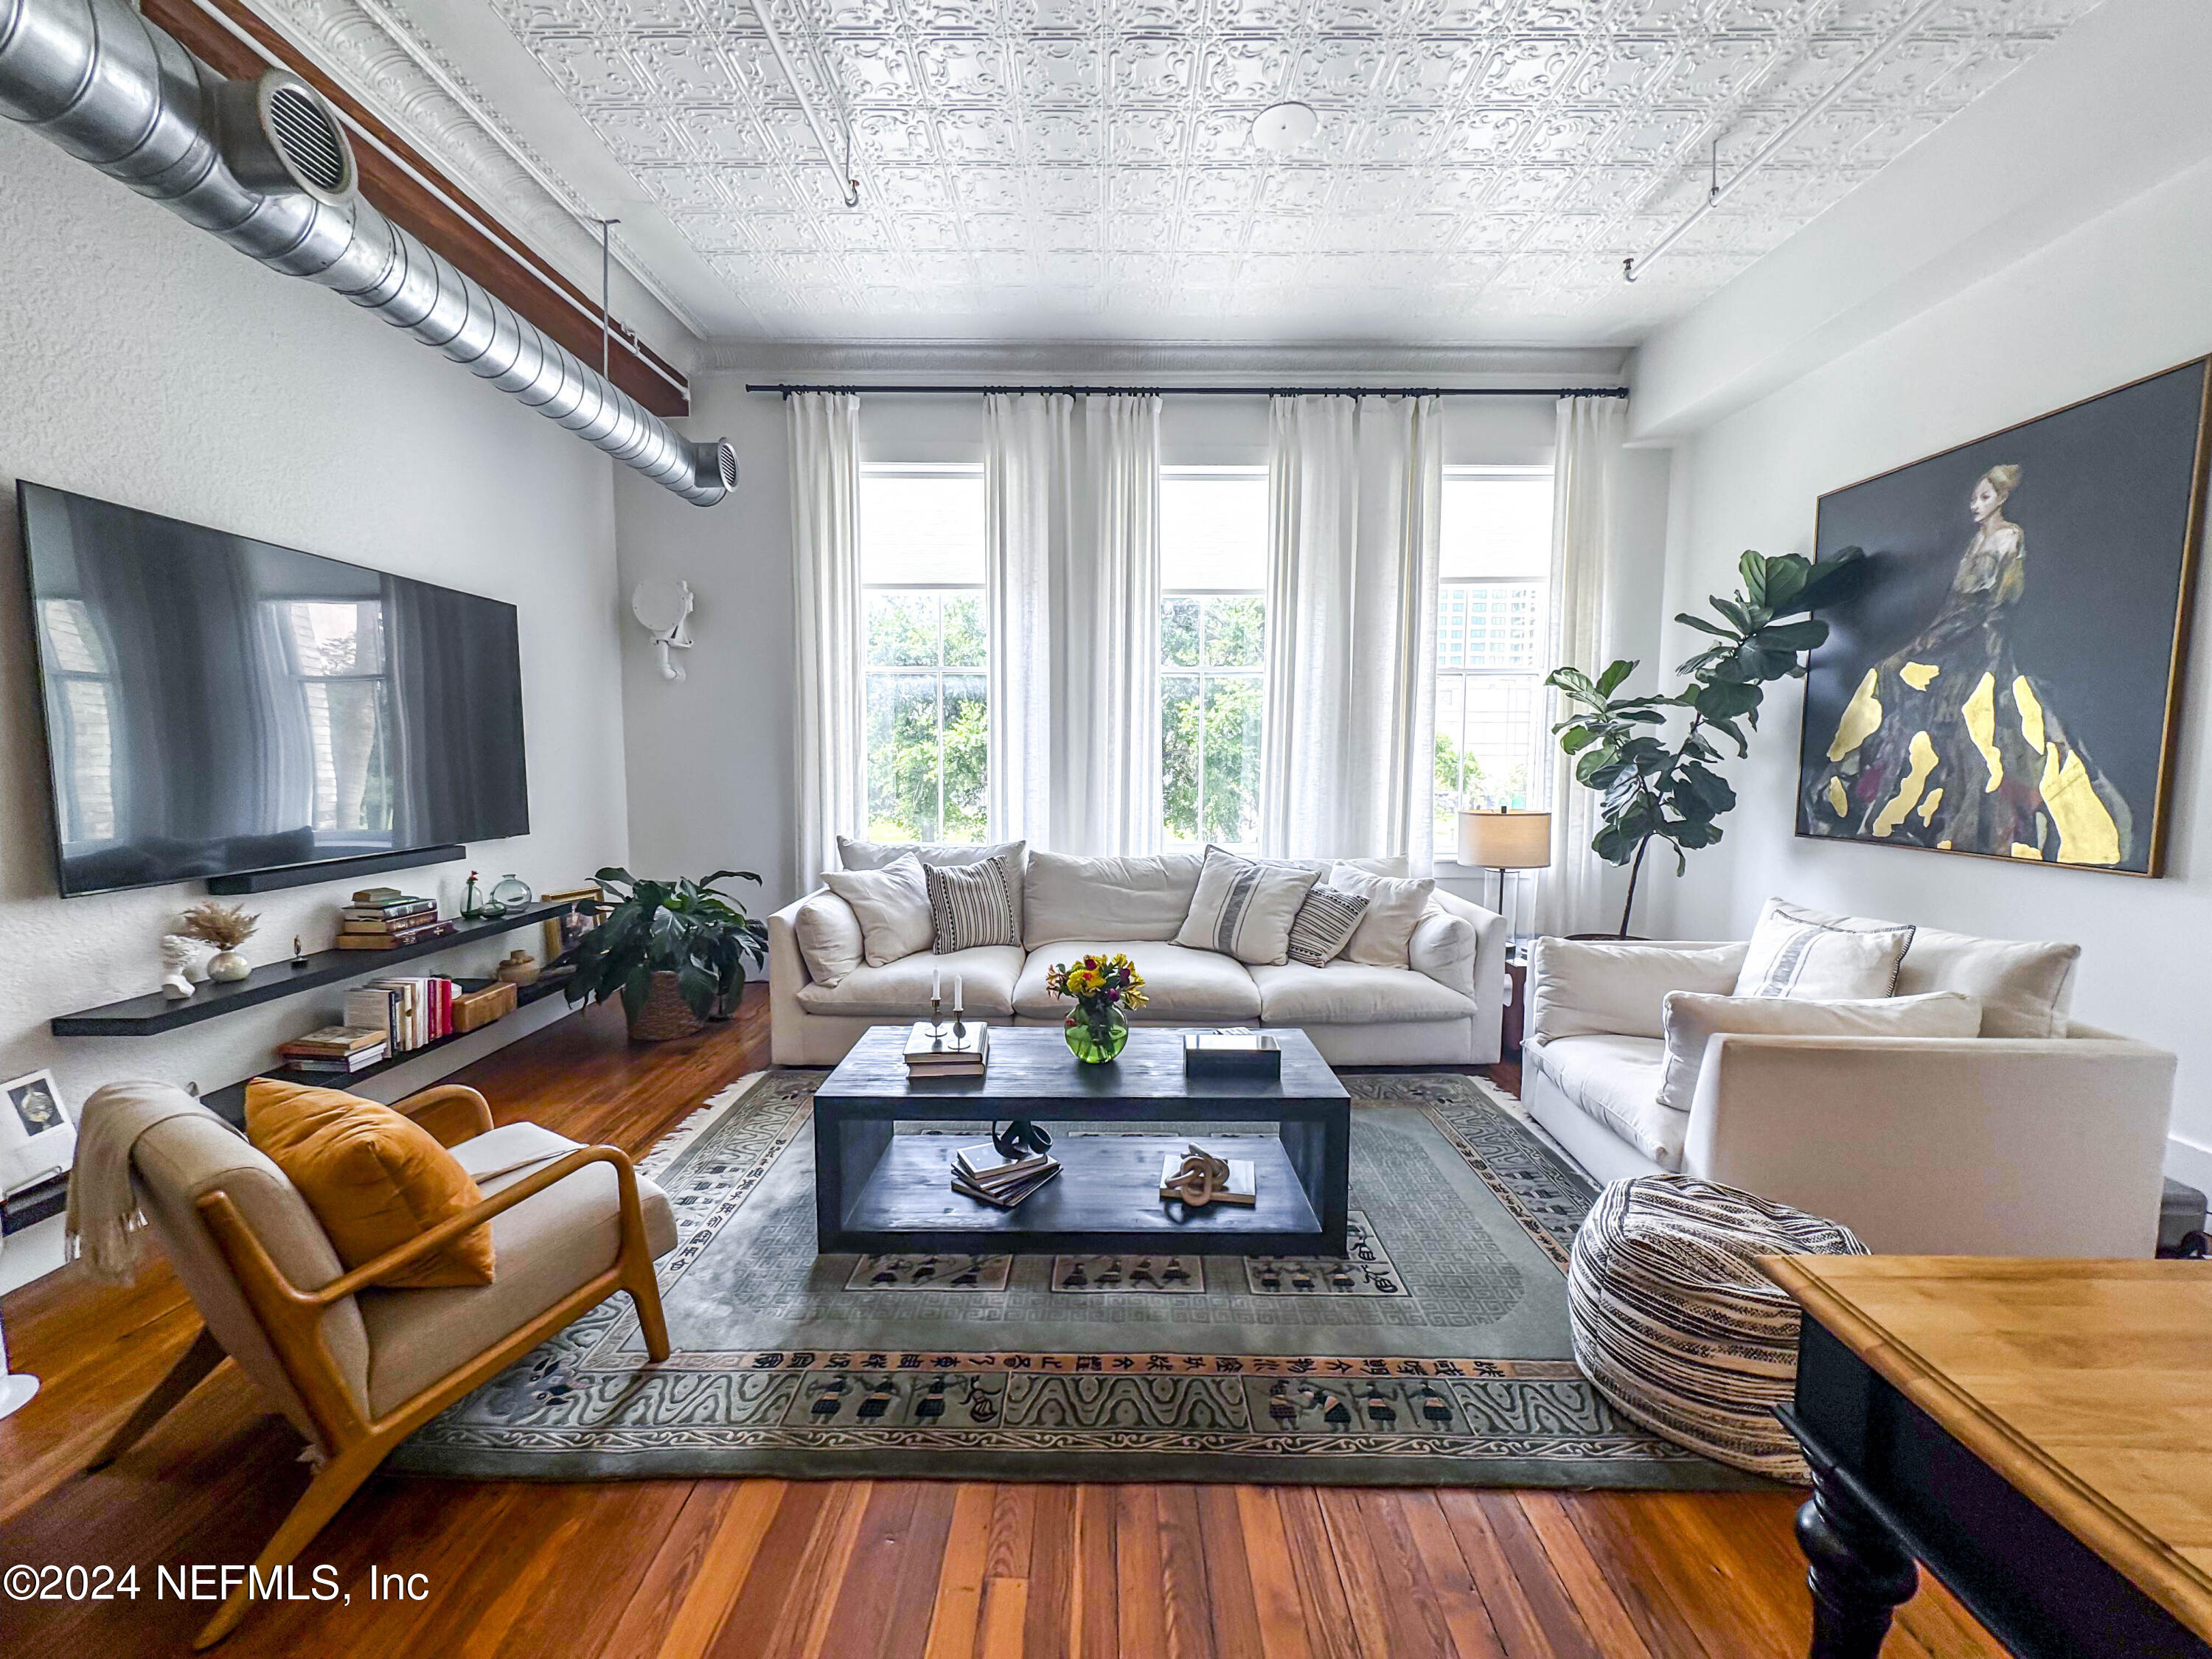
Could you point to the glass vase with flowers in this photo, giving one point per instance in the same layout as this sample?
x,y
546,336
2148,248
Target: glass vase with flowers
x,y
1104,989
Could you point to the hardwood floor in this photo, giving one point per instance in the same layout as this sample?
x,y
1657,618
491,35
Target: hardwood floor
x,y
845,1568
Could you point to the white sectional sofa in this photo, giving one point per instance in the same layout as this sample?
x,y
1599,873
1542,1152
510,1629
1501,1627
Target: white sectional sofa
x,y
2038,1137
1443,1008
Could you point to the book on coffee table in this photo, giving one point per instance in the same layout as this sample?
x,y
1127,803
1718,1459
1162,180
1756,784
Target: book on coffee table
x,y
940,1051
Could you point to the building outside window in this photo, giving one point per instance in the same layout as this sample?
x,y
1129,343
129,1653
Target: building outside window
x,y
928,707
1492,623
1213,566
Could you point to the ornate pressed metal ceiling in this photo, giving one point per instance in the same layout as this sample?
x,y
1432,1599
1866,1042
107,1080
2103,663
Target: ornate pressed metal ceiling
x,y
1083,168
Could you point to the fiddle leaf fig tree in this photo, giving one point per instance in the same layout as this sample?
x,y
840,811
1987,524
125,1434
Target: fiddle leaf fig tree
x,y
1652,788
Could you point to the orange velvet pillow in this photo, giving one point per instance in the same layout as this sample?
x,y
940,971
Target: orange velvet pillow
x,y
374,1178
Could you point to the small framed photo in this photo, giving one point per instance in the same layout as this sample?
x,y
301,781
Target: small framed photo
x,y
37,1139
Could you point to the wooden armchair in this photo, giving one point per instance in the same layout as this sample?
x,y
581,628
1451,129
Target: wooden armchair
x,y
357,1368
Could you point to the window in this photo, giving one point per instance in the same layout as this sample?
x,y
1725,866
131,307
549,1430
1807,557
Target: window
x,y
927,699
1491,625
1213,566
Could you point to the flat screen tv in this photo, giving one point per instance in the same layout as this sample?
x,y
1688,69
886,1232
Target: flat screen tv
x,y
215,705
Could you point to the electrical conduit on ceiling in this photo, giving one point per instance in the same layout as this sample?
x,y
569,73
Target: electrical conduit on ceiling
x,y
265,166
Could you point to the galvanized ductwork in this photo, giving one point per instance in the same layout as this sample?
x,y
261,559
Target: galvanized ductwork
x,y
265,166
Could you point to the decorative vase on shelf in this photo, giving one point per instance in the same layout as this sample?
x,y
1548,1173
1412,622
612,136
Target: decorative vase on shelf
x,y
229,965
1095,1036
510,896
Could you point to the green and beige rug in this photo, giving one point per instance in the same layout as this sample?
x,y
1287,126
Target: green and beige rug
x,y
1436,1353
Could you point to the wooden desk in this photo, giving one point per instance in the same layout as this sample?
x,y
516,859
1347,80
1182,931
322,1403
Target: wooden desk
x,y
2039,1433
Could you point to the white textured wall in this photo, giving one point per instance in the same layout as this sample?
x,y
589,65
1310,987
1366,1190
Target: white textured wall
x,y
142,361
2121,297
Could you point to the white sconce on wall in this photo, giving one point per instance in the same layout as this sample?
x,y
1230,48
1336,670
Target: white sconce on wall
x,y
662,606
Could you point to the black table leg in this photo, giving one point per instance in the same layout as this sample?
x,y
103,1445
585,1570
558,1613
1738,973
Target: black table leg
x,y
1860,1571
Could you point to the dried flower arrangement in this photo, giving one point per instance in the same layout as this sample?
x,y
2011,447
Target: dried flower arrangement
x,y
225,927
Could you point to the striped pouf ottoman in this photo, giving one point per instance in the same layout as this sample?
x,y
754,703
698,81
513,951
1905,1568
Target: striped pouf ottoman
x,y
1676,1326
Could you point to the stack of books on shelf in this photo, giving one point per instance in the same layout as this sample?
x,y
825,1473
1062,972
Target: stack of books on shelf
x,y
980,1172
384,918
955,1049
337,1049
410,1012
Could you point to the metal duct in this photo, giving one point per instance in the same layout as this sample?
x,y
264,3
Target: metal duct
x,y
266,165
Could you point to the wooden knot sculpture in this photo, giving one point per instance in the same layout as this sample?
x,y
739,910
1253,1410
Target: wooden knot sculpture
x,y
1199,1179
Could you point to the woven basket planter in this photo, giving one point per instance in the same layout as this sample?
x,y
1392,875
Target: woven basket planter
x,y
665,1014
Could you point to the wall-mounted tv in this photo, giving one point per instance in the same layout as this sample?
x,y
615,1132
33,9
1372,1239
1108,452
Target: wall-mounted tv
x,y
215,705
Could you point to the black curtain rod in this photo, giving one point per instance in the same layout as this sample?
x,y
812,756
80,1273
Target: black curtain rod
x,y
783,390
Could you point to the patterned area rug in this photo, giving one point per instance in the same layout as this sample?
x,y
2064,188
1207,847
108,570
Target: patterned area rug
x,y
1436,1353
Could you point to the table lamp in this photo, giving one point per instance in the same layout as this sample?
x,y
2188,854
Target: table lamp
x,y
1503,840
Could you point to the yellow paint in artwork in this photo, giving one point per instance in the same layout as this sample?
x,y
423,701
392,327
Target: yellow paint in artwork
x,y
1980,711
1839,802
1861,719
1920,760
2087,834
1942,846
2030,711
1928,807
1918,675
2021,849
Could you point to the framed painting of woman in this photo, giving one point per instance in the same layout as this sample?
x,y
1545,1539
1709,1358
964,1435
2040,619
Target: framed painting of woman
x,y
2004,680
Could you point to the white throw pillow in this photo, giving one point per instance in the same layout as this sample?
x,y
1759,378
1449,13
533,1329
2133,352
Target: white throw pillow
x,y
1580,987
1394,910
972,905
1065,897
828,938
1326,922
1691,1017
1809,957
2026,985
1243,907
892,904
875,855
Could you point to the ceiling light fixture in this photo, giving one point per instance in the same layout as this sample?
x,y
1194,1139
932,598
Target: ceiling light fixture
x,y
1281,128
848,187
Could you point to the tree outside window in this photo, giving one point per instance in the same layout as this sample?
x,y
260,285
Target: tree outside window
x,y
1214,535
927,703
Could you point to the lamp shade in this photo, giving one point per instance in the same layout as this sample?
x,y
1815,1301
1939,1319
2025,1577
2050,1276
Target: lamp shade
x,y
1506,841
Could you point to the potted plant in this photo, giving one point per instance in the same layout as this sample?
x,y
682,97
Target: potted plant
x,y
1653,790
675,951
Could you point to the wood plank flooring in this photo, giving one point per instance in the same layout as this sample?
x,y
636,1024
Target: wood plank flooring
x,y
843,1569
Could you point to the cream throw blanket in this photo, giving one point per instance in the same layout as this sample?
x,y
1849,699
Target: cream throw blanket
x,y
104,1225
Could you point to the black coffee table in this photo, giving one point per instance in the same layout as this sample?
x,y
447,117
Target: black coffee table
x,y
877,1192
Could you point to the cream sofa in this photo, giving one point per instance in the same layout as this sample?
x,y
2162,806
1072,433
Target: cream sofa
x,y
1443,1008
2039,1137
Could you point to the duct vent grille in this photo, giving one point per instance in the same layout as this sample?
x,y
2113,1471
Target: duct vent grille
x,y
306,134
726,462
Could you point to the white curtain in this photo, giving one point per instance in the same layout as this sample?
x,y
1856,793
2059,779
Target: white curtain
x,y
1072,579
1348,762
1570,895
825,532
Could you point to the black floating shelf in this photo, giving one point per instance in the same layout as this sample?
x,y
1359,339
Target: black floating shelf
x,y
27,1207
230,1103
153,1014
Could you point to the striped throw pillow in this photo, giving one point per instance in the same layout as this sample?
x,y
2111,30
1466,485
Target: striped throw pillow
x,y
1324,925
1243,907
973,904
